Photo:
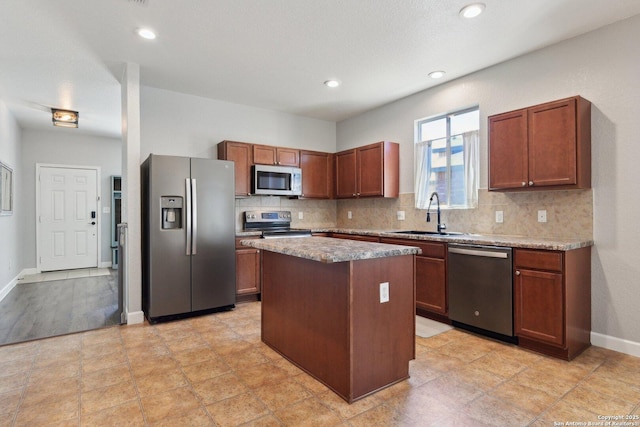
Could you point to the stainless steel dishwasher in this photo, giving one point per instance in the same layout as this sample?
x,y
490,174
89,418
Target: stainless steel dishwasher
x,y
480,288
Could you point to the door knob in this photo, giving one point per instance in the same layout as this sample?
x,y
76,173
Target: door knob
x,y
93,223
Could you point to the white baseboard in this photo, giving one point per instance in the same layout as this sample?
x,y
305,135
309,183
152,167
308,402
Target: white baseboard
x,y
28,271
8,287
105,264
631,348
135,317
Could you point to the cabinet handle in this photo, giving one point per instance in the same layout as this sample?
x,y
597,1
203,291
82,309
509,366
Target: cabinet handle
x,y
517,272
531,183
524,184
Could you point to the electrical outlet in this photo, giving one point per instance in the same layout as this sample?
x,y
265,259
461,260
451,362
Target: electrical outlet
x,y
542,216
300,215
384,292
400,215
349,215
499,217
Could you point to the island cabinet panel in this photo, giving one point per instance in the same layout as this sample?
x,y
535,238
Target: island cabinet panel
x,y
317,174
552,300
547,146
368,171
241,154
431,277
333,325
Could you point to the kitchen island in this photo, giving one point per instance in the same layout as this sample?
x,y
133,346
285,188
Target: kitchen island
x,y
341,310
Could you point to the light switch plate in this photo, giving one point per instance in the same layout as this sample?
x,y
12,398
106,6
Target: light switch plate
x,y
499,217
349,215
400,215
384,292
300,215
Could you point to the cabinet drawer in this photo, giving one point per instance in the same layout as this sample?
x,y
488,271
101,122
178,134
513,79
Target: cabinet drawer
x,y
431,250
539,260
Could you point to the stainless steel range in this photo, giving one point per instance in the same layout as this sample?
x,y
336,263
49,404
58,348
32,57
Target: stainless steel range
x,y
273,224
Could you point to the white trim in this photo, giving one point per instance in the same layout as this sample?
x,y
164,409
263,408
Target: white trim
x,y
98,170
4,291
105,264
8,287
631,348
135,317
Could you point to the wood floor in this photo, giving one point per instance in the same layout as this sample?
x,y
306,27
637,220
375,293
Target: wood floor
x,y
46,309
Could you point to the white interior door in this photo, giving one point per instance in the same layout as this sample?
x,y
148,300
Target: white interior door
x,y
67,218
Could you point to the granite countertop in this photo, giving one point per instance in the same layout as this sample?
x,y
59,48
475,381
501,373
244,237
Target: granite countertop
x,y
328,250
470,239
476,239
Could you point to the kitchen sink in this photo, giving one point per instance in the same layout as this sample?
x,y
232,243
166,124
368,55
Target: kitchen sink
x,y
434,233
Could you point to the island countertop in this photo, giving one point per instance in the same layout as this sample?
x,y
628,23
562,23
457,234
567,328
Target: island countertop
x,y
328,250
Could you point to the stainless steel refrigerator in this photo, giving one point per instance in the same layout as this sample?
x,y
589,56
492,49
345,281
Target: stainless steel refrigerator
x,y
188,211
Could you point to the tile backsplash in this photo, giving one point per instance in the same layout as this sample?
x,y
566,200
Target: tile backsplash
x,y
569,213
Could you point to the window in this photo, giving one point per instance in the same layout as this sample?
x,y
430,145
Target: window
x,y
446,156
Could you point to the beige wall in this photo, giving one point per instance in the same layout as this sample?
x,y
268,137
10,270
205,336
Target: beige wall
x,y
602,66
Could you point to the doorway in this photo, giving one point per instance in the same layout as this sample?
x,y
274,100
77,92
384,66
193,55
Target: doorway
x,y
67,217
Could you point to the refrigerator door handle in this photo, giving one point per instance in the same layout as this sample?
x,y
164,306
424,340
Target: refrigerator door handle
x,y
194,238
187,185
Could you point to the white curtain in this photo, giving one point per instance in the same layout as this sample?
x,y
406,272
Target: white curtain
x,y
470,141
422,170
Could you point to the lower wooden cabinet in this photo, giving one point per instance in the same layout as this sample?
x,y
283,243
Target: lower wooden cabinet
x,y
248,270
361,237
431,277
552,300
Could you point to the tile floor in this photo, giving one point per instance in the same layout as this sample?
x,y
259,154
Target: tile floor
x,y
213,370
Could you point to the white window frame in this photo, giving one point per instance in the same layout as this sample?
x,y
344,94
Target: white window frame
x,y
421,182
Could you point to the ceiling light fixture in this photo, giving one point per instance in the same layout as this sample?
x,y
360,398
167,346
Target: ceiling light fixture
x,y
64,118
436,74
332,83
472,10
146,33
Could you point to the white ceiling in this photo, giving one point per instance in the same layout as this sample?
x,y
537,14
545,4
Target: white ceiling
x,y
273,54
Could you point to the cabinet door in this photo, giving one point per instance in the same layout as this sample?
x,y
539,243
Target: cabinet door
x,y
539,305
508,157
264,155
345,174
317,174
370,171
247,271
287,157
241,154
552,144
431,289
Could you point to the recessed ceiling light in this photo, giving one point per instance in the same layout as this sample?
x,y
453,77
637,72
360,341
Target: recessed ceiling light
x,y
472,10
436,74
332,83
146,33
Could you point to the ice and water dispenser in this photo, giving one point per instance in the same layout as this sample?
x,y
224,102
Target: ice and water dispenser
x,y
171,212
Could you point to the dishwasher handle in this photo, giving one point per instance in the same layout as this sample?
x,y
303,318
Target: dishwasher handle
x,y
478,252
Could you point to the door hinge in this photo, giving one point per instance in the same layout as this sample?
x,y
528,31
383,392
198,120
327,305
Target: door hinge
x,y
39,218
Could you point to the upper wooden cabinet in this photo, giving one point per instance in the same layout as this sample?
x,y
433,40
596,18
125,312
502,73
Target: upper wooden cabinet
x,y
368,171
270,155
241,154
317,174
547,146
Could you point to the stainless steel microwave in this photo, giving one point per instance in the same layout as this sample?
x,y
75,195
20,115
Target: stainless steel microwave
x,y
276,180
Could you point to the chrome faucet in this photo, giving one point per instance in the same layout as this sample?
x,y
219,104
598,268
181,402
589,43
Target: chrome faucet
x,y
440,226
